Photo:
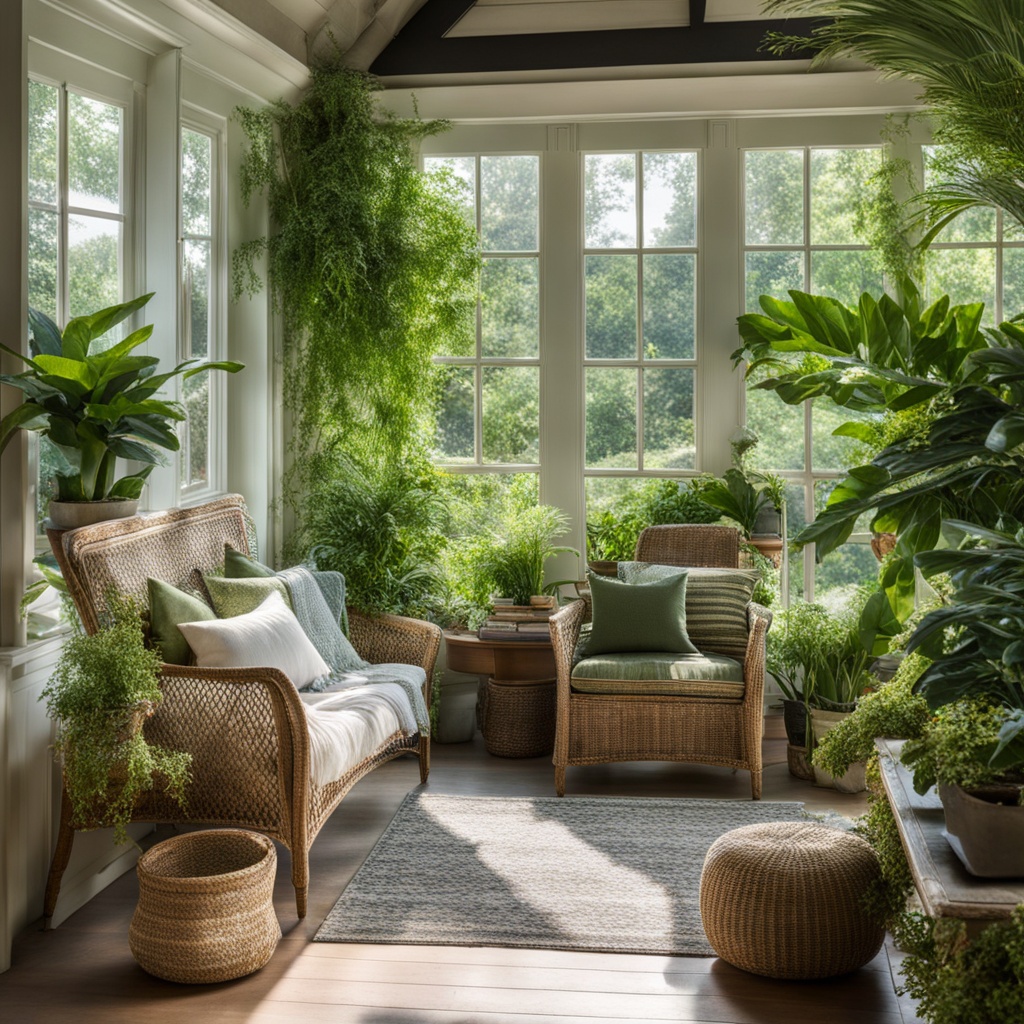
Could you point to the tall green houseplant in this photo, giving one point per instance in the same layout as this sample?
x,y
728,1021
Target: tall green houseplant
x,y
372,264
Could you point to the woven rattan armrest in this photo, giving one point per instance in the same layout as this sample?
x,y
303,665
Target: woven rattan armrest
x,y
565,633
384,639
759,619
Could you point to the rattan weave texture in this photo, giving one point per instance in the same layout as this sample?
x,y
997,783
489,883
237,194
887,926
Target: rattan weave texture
x,y
206,907
783,900
518,719
597,728
245,728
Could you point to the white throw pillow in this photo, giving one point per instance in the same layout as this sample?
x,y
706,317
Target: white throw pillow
x,y
269,637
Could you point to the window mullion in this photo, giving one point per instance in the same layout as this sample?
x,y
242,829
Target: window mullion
x,y
63,204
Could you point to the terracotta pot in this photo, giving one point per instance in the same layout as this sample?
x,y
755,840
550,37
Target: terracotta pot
x,y
988,837
68,515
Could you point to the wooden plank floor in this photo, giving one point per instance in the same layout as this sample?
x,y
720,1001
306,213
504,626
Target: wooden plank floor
x,y
83,972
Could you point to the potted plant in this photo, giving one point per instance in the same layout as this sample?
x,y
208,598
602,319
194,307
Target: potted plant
x,y
103,689
96,407
819,660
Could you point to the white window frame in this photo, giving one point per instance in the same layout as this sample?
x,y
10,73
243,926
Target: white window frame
x,y
205,123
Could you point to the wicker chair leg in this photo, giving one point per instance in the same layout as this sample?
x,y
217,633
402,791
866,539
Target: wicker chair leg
x,y
61,856
424,756
560,780
300,879
755,785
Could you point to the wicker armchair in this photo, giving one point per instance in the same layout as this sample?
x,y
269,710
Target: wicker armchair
x,y
597,728
245,728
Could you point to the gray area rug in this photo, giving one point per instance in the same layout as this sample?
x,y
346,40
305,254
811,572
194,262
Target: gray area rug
x,y
580,873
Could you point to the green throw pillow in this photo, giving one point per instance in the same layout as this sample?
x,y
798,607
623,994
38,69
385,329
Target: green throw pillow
x,y
169,606
639,617
716,603
238,566
241,596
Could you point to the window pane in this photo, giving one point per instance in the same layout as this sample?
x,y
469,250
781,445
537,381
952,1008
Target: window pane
x,y
196,285
840,573
668,419
42,142
510,308
509,203
463,169
195,455
94,154
42,261
196,182
780,428
670,199
453,441
670,300
1013,230
837,193
511,414
974,225
611,418
94,266
772,273
611,307
774,197
845,275
966,275
1013,282
796,520
610,201
829,452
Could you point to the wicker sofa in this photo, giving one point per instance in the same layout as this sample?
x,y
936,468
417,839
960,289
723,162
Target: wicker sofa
x,y
626,724
245,728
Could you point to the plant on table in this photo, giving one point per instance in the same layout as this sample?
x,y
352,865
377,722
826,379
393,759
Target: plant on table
x,y
97,406
103,687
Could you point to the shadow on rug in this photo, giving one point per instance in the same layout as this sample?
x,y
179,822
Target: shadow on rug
x,y
578,873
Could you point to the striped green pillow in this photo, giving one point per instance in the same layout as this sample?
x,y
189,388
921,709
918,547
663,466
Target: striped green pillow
x,y
716,603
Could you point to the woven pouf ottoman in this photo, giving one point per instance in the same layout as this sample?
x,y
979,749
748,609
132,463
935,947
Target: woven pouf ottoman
x,y
783,900
206,908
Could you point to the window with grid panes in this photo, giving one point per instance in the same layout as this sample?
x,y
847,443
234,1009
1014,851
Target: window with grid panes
x,y
77,216
489,412
640,318
801,209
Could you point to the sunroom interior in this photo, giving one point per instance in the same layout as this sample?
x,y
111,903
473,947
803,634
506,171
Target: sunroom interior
x,y
638,174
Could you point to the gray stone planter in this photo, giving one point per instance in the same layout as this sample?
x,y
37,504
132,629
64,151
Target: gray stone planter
x,y
988,837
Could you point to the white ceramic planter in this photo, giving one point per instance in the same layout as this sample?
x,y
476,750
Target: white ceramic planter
x,y
456,720
854,781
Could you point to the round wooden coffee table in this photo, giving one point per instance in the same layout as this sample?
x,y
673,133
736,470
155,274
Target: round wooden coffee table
x,y
517,715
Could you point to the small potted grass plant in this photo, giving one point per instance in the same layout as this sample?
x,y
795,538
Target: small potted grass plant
x,y
103,689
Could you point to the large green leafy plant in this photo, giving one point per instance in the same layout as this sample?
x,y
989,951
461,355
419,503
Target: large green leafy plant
x,y
371,263
103,686
97,406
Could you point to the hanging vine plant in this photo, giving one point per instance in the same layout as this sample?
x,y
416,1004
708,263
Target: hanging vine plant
x,y
371,264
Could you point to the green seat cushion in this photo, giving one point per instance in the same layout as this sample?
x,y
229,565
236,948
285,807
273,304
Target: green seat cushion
x,y
169,606
648,616
660,674
241,596
716,603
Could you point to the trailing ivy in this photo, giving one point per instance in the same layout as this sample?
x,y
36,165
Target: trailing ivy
x,y
371,264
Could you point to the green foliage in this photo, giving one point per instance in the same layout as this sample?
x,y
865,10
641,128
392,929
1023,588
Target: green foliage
x,y
769,577
893,711
734,496
957,746
968,57
816,655
380,524
372,264
886,898
956,981
612,532
99,682
97,406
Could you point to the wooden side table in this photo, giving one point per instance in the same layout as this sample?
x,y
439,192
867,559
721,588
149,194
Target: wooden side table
x,y
518,703
945,887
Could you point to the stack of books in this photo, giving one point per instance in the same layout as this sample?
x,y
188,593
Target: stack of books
x,y
509,621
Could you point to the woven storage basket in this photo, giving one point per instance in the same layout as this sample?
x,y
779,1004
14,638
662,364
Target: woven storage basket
x,y
783,900
518,718
206,910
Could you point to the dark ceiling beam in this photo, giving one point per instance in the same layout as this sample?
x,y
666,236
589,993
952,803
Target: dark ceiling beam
x,y
421,47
